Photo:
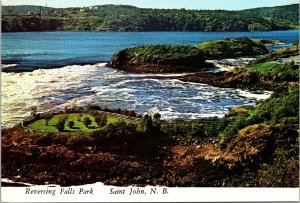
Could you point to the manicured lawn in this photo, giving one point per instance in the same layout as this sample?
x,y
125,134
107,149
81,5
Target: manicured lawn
x,y
40,126
77,118
112,120
267,66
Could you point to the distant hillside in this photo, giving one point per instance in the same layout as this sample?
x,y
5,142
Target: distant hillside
x,y
130,18
24,9
289,12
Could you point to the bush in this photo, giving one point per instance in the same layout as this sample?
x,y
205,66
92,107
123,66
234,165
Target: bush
x,y
285,105
47,118
215,128
71,124
275,109
283,171
101,120
87,121
61,124
156,116
77,141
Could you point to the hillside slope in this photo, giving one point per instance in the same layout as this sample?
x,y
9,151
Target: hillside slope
x,y
130,18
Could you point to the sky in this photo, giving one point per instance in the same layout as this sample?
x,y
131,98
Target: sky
x,y
187,4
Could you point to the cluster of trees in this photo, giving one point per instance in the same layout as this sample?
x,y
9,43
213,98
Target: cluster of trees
x,y
100,119
289,12
129,18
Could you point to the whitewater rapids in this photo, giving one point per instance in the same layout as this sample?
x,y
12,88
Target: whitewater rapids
x,y
53,89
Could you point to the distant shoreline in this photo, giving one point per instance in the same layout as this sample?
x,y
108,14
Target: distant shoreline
x,y
80,31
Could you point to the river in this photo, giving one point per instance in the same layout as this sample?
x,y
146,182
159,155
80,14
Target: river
x,y
50,70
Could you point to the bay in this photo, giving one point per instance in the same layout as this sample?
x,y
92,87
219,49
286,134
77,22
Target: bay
x,y
28,51
50,70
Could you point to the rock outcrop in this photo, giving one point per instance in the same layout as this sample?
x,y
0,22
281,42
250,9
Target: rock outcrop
x,y
159,59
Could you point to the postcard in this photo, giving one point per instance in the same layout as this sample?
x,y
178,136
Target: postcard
x,y
149,101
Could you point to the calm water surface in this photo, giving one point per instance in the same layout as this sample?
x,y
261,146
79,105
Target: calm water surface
x,y
32,50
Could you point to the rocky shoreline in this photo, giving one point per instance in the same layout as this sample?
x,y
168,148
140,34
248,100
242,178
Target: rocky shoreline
x,y
236,79
241,149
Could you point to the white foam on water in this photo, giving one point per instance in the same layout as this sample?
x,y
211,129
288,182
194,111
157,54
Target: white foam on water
x,y
54,89
4,66
229,64
259,96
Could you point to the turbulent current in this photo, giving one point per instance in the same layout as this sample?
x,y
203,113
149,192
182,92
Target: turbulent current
x,y
51,89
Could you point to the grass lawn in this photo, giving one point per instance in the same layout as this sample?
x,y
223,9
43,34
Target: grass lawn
x,y
40,126
267,66
77,118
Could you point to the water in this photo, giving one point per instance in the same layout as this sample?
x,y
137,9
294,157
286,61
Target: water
x,y
34,50
52,88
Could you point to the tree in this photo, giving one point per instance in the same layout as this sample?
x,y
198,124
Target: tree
x,y
47,118
101,120
61,124
87,121
34,111
131,113
156,116
79,117
71,124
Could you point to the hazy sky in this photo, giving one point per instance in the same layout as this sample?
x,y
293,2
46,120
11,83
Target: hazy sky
x,y
188,4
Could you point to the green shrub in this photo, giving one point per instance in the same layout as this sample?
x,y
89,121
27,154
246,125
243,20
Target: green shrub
x,y
286,105
215,128
101,120
282,108
71,124
87,121
61,124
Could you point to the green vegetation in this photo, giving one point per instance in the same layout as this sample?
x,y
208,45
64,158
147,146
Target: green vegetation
x,y
72,122
268,42
273,110
277,71
130,18
267,66
166,54
176,58
158,58
251,146
279,53
289,12
233,47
